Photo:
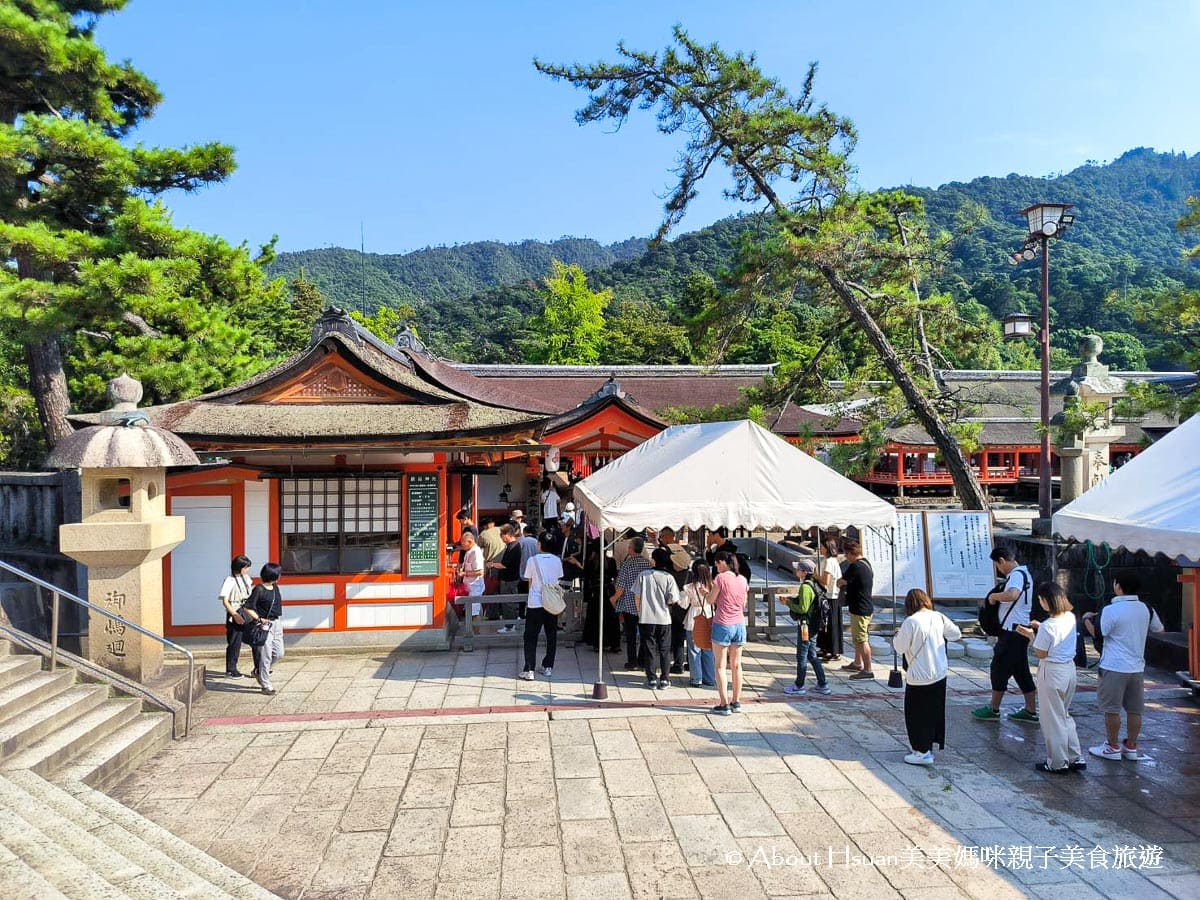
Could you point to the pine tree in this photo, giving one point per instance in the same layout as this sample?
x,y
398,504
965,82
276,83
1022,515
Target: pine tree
x,y
95,278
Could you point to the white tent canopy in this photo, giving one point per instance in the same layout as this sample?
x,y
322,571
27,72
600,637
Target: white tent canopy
x,y
1151,503
725,474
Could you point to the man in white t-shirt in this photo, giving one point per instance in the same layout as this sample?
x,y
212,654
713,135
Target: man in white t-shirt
x,y
549,505
472,569
1010,658
1124,624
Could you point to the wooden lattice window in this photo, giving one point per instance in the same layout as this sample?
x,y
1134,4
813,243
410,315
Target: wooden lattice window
x,y
340,525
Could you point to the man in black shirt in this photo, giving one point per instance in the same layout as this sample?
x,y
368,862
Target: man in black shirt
x,y
508,569
857,585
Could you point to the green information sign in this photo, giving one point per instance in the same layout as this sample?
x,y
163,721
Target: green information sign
x,y
423,545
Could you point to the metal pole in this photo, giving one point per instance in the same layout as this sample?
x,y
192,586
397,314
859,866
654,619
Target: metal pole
x,y
895,679
1044,505
54,631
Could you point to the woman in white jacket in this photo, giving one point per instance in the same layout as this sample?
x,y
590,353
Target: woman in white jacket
x,y
922,639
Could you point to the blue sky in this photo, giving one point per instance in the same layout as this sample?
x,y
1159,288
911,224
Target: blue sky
x,y
427,122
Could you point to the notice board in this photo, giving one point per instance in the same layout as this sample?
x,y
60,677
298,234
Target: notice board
x,y
424,549
911,570
960,567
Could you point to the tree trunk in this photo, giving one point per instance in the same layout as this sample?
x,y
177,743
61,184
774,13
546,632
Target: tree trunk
x,y
48,384
967,485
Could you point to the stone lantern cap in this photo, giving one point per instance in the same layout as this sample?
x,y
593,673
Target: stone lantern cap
x,y
131,442
1089,377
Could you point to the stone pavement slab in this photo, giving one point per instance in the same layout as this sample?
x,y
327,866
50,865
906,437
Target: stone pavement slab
x,y
544,794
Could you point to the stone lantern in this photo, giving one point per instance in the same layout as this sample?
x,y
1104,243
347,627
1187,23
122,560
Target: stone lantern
x,y
124,530
1084,453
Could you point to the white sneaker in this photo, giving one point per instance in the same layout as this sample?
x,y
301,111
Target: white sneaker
x,y
527,675
506,629
1128,752
794,690
920,759
547,671
1105,752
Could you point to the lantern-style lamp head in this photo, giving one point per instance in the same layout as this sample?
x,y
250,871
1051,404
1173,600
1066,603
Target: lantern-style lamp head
x,y
1048,219
1017,326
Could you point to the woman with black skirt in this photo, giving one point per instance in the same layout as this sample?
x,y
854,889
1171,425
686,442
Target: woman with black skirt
x,y
922,639
829,641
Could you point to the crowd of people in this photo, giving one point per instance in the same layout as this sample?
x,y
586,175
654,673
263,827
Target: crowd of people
x,y
675,615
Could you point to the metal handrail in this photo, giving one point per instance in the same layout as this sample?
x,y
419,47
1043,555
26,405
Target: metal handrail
x,y
57,592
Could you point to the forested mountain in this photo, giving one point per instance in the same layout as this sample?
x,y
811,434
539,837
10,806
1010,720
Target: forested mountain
x,y
473,301
439,275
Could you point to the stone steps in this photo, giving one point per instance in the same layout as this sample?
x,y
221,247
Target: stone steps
x,y
14,668
113,757
62,745
26,692
196,861
96,839
38,721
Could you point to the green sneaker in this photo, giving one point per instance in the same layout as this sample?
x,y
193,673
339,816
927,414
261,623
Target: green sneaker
x,y
1023,715
986,713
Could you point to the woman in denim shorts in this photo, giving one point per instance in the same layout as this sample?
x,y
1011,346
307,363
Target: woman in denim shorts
x,y
728,598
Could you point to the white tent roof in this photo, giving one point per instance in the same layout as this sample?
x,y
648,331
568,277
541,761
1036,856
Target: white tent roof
x,y
725,474
1151,503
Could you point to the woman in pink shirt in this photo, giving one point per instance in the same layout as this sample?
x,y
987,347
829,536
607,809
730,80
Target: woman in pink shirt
x,y
728,598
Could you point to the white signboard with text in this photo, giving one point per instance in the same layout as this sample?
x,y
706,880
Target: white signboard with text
x,y
910,555
959,542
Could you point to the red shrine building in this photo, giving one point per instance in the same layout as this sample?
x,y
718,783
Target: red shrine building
x,y
347,462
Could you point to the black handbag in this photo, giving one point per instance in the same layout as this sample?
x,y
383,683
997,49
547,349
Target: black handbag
x,y
989,613
256,632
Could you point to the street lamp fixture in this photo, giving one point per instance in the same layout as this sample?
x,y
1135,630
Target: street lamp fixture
x,y
1017,326
1045,221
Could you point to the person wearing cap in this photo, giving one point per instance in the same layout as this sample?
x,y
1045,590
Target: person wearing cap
x,y
517,520
569,512
569,551
804,610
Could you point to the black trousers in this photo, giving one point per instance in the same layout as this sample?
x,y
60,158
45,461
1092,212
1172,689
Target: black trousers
x,y
1011,660
233,645
654,651
925,715
629,626
678,636
537,619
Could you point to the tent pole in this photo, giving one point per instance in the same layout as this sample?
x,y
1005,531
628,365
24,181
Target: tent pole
x,y
895,679
600,689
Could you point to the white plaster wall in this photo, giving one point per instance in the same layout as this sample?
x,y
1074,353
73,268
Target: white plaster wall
x,y
258,523
377,615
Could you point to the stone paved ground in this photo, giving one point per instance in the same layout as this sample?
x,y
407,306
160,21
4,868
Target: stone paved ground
x,y
362,778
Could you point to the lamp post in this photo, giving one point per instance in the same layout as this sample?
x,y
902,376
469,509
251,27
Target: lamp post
x,y
1045,221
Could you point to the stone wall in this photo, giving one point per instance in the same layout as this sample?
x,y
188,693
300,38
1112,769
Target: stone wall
x,y
32,507
1070,566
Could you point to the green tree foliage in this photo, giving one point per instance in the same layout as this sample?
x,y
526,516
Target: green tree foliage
x,y
387,322
95,279
307,303
791,154
570,328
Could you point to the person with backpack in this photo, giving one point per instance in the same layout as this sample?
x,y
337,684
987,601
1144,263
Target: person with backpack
x,y
922,640
806,610
1010,659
